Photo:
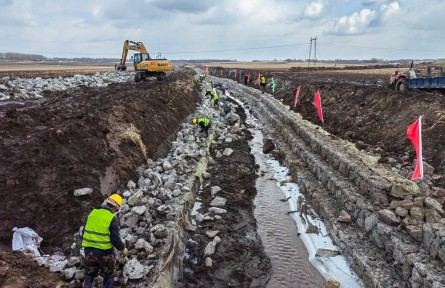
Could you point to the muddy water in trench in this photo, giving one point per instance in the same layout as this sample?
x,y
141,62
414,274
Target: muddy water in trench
x,y
289,256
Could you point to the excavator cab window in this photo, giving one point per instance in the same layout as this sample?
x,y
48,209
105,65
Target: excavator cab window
x,y
137,58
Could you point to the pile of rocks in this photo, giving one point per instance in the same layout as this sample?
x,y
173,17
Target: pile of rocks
x,y
15,89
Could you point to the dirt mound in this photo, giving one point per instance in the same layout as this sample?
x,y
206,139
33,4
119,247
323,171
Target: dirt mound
x,y
85,137
17,270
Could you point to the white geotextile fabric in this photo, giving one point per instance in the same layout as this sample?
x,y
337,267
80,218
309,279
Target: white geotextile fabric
x,y
26,240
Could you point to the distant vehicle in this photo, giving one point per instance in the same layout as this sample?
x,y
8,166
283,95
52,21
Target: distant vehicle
x,y
144,65
432,77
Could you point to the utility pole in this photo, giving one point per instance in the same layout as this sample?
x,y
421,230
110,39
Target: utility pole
x,y
310,51
313,40
315,50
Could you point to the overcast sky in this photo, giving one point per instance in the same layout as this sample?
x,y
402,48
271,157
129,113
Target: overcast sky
x,y
226,29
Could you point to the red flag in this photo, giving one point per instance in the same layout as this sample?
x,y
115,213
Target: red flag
x,y
296,96
414,133
259,80
221,73
235,73
207,70
317,102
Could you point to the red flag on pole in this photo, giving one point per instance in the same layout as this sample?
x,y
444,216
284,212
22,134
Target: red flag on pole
x,y
236,72
317,102
296,96
207,70
414,133
259,80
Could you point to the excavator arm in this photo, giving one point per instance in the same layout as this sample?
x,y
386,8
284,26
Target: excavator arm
x,y
131,45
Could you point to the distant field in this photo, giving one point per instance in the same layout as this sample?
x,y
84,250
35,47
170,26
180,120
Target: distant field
x,y
48,70
317,68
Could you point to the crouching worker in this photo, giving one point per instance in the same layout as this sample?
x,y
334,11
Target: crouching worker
x,y
100,235
204,123
213,97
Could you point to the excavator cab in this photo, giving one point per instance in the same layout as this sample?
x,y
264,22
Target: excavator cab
x,y
139,57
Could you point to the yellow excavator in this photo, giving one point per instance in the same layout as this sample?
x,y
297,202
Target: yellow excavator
x,y
144,65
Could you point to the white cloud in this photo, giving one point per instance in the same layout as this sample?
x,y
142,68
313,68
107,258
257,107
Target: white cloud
x,y
314,9
388,11
357,23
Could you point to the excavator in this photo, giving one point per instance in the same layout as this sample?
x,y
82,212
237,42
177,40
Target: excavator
x,y
144,65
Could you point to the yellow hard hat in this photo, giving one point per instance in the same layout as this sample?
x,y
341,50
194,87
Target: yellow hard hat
x,y
115,200
194,121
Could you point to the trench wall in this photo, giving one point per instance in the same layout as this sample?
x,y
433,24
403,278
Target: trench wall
x,y
334,176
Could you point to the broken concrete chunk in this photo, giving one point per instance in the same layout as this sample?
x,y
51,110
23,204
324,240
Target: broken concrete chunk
x,y
214,190
216,210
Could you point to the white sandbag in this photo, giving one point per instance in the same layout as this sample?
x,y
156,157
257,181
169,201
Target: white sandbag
x,y
26,240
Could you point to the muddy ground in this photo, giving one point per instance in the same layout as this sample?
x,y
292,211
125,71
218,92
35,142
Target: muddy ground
x,y
67,141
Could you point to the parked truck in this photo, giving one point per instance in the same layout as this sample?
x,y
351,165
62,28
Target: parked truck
x,y
432,77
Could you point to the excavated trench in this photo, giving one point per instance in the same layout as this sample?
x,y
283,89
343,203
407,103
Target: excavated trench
x,y
332,175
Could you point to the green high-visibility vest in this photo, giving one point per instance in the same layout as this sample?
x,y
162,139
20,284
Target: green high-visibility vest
x,y
263,79
96,233
215,96
206,121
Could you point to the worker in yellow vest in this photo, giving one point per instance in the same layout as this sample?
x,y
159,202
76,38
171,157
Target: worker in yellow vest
x,y
100,235
204,123
263,83
213,97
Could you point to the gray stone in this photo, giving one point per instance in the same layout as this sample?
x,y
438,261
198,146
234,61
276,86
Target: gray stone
x,y
344,217
134,270
216,210
139,210
388,217
209,262
218,202
160,231
227,152
214,190
135,198
83,191
371,222
69,273
402,212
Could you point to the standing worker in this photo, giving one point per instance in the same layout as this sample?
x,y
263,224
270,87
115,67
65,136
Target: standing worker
x,y
100,234
204,123
213,96
263,83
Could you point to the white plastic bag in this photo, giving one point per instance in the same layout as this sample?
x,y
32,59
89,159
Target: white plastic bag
x,y
26,240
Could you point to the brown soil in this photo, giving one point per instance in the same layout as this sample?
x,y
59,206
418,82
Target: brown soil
x,y
18,271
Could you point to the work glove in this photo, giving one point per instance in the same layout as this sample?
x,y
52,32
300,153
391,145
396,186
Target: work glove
x,y
125,252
